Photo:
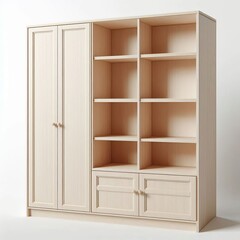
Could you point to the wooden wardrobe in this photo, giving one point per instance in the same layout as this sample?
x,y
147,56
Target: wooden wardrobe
x,y
122,120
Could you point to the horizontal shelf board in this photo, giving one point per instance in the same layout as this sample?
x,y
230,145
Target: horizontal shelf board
x,y
115,100
171,170
154,169
170,139
118,58
126,138
169,56
117,167
167,100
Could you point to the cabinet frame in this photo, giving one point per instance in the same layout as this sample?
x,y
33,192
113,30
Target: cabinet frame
x,y
205,101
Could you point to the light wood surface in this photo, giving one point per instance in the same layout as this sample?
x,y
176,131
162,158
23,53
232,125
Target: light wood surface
x,y
207,120
168,79
42,114
168,100
168,196
114,80
117,138
153,104
170,139
168,154
115,100
116,119
114,193
74,114
116,219
169,56
119,58
168,120
119,152
170,170
117,167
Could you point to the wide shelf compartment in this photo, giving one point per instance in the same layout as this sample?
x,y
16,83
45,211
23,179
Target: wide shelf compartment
x,y
115,38
115,121
168,79
174,121
157,36
168,158
114,80
114,156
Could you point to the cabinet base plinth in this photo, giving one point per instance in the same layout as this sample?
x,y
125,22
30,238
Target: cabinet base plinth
x,y
189,226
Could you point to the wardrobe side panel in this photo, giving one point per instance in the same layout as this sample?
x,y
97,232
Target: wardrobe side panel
x,y
42,108
207,120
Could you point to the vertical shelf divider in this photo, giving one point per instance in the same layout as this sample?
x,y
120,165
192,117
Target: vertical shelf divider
x,y
138,94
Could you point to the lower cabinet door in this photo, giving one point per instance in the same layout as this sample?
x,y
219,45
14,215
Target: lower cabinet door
x,y
168,196
115,193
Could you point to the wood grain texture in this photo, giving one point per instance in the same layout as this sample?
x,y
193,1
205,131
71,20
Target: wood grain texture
x,y
42,114
74,114
114,193
116,219
168,196
207,120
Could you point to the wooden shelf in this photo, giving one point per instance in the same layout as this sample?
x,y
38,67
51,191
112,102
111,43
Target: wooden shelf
x,y
117,167
113,100
169,56
171,170
170,139
153,100
117,138
117,58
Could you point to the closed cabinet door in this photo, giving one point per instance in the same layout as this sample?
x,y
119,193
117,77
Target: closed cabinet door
x,y
73,117
42,114
172,197
115,193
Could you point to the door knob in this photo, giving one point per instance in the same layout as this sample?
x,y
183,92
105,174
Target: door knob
x,y
141,192
60,125
55,124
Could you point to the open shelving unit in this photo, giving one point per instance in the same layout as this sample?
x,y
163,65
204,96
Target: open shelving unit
x,y
144,95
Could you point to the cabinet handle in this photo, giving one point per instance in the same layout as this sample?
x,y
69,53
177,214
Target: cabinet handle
x,y
135,191
55,125
60,125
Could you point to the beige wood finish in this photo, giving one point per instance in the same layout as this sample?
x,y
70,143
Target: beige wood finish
x,y
169,79
168,197
42,114
115,193
168,120
168,154
115,219
114,119
207,120
74,114
153,120
117,152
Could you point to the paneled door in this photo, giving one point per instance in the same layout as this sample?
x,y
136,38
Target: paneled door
x,y
165,196
115,193
42,117
73,117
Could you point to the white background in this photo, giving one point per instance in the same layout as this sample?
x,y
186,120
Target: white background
x,y
15,15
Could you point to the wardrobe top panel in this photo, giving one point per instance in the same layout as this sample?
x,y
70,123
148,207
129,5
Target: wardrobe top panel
x,y
123,22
